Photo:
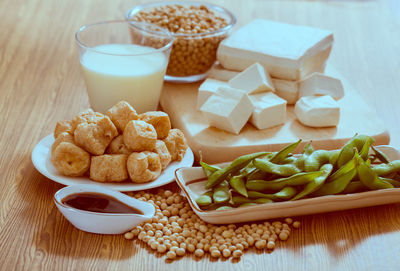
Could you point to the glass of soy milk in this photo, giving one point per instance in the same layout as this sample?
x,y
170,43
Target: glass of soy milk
x,y
123,60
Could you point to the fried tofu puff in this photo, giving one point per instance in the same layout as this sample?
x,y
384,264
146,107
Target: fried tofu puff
x,y
63,137
160,121
140,136
63,126
120,114
95,137
70,160
144,166
87,116
162,150
176,144
117,146
109,168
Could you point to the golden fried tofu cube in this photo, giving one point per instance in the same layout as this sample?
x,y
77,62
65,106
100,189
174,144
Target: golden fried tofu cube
x,y
162,150
95,137
120,114
176,144
109,168
144,166
140,136
160,121
63,137
87,116
63,126
117,146
70,160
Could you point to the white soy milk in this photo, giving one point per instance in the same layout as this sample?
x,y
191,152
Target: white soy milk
x,y
112,74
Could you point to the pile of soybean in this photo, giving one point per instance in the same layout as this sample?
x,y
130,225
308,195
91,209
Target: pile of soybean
x,y
266,177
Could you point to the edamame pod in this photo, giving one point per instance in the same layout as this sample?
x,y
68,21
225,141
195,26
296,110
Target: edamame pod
x,y
385,169
354,186
283,153
209,169
338,185
237,183
239,200
307,150
380,155
205,199
316,184
219,175
284,194
221,192
315,160
281,170
277,184
347,151
368,177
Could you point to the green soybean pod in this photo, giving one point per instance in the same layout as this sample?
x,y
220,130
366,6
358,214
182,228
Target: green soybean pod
x,y
283,153
225,207
284,194
353,187
347,151
238,184
338,185
315,160
277,184
307,150
205,199
387,168
219,175
209,169
221,193
368,177
277,169
316,184
380,155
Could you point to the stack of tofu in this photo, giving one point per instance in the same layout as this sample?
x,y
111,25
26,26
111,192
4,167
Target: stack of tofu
x,y
265,66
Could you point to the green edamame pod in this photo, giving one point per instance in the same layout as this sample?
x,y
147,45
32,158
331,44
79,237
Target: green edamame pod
x,y
343,170
283,153
353,187
259,175
385,169
219,175
289,160
315,160
334,157
225,207
205,199
277,184
237,183
380,155
281,170
209,169
247,204
395,183
347,151
221,192
316,184
307,150
284,194
364,152
239,200
338,185
368,177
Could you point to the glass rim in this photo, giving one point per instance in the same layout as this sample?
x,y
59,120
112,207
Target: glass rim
x,y
165,32
218,8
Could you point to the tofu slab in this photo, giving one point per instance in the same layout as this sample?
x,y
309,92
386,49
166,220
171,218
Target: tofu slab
x,y
208,88
228,109
321,84
317,111
253,79
219,73
289,52
269,110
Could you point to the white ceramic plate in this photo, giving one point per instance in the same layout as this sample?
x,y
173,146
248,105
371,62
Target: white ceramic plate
x,y
41,160
187,179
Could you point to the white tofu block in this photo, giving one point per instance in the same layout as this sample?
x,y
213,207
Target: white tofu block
x,y
321,84
254,79
208,88
219,73
317,111
287,51
269,110
228,109
286,89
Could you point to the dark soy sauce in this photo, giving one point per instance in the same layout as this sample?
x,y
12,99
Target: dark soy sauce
x,y
98,203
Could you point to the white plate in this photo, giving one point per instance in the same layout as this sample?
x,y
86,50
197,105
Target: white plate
x,y
192,189
41,160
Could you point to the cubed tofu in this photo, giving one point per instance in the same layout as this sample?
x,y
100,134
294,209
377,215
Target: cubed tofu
x,y
286,89
269,110
254,79
318,111
287,51
321,84
228,109
208,88
218,72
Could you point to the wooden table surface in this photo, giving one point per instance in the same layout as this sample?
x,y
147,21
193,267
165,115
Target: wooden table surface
x,y
40,83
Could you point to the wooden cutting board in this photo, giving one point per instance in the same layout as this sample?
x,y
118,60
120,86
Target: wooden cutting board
x,y
179,101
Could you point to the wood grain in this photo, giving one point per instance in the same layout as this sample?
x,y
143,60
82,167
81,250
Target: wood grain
x,y
40,83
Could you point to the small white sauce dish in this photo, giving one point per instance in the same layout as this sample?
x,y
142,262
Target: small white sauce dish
x,y
102,223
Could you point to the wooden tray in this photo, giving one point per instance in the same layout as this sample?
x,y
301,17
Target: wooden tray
x,y
179,101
